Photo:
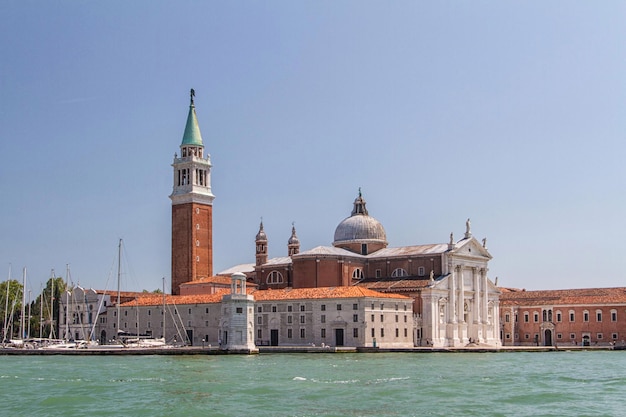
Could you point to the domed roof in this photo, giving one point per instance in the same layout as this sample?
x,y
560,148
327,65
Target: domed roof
x,y
293,240
360,227
261,236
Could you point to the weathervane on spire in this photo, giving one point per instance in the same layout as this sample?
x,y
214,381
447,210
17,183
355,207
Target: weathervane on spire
x,y
192,93
360,192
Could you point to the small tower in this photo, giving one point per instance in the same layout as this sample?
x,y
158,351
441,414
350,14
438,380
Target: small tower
x,y
261,246
192,208
237,323
293,245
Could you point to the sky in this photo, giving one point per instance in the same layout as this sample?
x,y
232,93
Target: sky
x,y
509,113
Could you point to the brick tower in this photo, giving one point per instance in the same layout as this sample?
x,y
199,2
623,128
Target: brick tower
x,y
192,208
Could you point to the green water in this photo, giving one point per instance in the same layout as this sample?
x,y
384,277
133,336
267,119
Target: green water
x,y
403,384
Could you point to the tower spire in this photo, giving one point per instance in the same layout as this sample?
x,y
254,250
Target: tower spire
x,y
192,136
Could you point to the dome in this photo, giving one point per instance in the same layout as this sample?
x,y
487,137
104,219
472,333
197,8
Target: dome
x,y
360,227
261,236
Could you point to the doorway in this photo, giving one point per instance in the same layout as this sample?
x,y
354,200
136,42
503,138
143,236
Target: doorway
x,y
338,337
274,337
547,338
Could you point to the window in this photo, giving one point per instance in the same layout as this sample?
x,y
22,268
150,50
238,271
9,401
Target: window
x,y
323,318
302,308
355,332
302,334
536,317
190,311
599,336
259,320
507,336
357,273
259,309
507,317
289,334
355,306
406,332
323,307
338,307
559,317
396,318
397,332
598,315
399,272
526,336
259,334
273,309
355,318
382,306
559,336
405,319
614,336
289,309
378,273
149,312
373,334
302,319
421,271
572,336
274,277
382,318
373,318
323,333
382,332
585,315
526,317
571,315
289,319
613,315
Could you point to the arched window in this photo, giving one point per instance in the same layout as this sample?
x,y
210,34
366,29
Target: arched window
x,y
357,273
399,272
274,277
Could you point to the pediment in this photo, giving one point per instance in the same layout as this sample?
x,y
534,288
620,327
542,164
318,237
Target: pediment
x,y
470,248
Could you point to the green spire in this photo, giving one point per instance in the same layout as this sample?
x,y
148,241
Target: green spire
x,y
192,134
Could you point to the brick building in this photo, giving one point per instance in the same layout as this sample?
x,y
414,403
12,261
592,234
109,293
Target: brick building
x,y
592,316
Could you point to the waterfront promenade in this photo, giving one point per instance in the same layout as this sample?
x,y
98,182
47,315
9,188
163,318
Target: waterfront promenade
x,y
211,350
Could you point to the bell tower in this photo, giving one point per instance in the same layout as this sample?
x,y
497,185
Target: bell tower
x,y
192,207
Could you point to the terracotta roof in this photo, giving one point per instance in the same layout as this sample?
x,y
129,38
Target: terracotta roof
x,y
210,280
157,299
320,293
395,284
512,296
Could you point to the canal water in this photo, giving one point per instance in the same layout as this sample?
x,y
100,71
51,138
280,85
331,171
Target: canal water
x,y
581,383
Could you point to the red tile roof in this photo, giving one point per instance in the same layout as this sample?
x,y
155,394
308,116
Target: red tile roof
x,y
511,296
264,295
157,299
320,293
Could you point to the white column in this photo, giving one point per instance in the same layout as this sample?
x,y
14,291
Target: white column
x,y
485,290
477,313
452,297
461,296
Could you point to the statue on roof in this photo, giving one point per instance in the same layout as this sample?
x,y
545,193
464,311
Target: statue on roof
x,y
192,93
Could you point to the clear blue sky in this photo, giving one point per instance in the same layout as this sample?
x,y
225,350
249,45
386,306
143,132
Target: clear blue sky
x,y
509,113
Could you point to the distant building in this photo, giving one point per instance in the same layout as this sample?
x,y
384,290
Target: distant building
x,y
591,316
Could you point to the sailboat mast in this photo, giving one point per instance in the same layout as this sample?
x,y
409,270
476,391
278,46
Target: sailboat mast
x,y
164,310
6,309
23,315
67,302
52,307
119,274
